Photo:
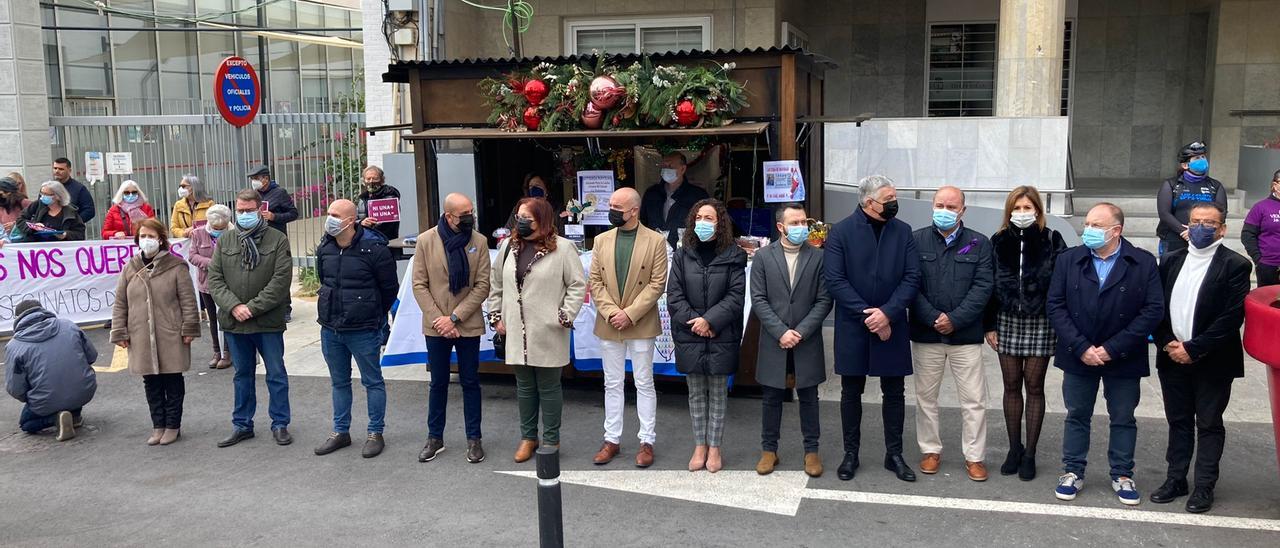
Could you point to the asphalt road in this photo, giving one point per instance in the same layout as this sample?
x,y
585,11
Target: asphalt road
x,y
107,488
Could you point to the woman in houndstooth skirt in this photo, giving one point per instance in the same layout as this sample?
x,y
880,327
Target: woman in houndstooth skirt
x,y
1015,321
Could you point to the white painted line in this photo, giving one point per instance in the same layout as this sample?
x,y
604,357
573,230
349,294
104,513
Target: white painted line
x,y
1056,510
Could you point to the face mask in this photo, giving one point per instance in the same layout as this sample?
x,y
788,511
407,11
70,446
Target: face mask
x,y
46,199
149,246
798,234
1202,236
704,230
1094,237
183,192
1023,220
258,184
215,233
617,218
466,223
669,175
524,227
536,192
333,226
1199,166
248,220
890,209
945,219
130,198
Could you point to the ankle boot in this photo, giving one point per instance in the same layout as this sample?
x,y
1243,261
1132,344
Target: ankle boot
x,y
170,435
1012,461
156,434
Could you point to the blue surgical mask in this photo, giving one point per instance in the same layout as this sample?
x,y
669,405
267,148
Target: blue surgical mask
x,y
705,230
215,233
248,220
1202,236
130,198
1094,237
798,234
46,199
945,219
1199,166
334,226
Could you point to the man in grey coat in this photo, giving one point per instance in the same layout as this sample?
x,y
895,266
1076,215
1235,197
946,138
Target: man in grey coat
x,y
789,296
48,367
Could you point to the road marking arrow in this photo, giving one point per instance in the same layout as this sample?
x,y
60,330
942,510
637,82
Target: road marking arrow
x,y
781,493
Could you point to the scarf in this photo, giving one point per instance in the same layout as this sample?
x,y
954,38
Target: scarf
x,y
133,211
1188,176
455,248
248,240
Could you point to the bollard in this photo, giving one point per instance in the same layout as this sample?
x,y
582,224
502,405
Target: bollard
x,y
550,513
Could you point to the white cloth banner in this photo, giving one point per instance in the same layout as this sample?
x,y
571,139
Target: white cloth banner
x,y
74,280
407,346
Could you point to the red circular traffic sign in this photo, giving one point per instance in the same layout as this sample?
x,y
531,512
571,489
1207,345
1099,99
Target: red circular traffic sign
x,y
236,91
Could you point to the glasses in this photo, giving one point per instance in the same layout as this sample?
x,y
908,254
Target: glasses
x,y
131,193
1212,225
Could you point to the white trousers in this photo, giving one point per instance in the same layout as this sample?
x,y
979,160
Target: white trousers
x,y
614,356
931,361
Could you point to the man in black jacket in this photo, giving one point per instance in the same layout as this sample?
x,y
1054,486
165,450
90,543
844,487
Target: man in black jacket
x,y
280,210
1205,286
80,195
357,287
957,278
665,207
376,188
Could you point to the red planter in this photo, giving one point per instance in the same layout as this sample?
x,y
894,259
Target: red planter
x,y
1262,341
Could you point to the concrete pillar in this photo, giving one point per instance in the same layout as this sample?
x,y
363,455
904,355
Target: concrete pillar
x,y
379,97
1029,61
24,108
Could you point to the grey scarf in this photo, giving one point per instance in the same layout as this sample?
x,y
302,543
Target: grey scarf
x,y
248,241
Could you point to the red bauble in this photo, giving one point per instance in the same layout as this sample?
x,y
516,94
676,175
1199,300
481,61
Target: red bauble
x,y
535,91
686,113
592,117
605,92
532,119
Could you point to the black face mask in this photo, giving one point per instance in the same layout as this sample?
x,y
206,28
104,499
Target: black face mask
x,y
890,209
524,227
617,218
466,223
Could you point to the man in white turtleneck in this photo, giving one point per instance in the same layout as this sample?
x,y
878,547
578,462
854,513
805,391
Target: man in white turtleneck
x,y
1205,286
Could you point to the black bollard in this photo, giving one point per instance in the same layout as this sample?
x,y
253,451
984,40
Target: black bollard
x,y
550,512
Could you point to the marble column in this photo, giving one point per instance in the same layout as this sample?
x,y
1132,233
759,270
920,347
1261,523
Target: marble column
x,y
1029,61
24,107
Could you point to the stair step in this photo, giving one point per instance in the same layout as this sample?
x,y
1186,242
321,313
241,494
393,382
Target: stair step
x,y
1143,205
1141,225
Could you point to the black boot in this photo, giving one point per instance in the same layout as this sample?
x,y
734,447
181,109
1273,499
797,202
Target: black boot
x,y
1012,461
1027,469
848,466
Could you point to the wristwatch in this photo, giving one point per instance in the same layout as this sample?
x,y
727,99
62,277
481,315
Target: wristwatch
x,y
454,318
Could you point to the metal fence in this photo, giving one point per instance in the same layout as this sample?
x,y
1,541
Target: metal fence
x,y
316,154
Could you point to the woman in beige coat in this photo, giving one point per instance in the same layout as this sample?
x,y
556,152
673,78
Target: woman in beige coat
x,y
155,318
536,291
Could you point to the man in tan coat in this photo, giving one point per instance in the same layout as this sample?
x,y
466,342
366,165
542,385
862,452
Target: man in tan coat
x,y
450,282
628,276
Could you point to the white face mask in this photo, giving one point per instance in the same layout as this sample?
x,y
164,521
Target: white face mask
x,y
149,246
258,184
669,175
183,192
1023,220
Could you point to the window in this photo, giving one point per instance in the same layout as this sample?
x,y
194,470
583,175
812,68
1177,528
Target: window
x,y
793,37
962,69
638,35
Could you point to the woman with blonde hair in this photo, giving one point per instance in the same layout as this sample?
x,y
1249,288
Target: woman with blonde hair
x,y
191,209
128,207
1016,324
154,317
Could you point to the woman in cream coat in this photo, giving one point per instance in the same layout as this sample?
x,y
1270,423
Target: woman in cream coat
x,y
536,291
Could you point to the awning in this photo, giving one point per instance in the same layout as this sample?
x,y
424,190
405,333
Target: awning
x,y
741,128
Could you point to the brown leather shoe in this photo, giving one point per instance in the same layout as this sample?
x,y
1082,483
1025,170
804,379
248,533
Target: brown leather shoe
x,y
977,471
813,465
607,451
525,450
644,458
768,461
929,464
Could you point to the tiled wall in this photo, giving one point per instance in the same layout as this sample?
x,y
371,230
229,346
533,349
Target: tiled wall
x,y
24,111
965,152
1247,78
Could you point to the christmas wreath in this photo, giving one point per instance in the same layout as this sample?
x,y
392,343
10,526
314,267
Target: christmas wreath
x,y
571,96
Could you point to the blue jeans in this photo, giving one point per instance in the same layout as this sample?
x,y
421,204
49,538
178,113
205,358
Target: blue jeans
x,y
339,347
244,350
1079,393
439,351
32,423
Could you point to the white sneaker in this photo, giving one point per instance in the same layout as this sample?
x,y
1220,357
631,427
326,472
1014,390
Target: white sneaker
x,y
1069,485
1126,490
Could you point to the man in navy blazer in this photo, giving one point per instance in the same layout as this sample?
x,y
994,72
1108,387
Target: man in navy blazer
x,y
1104,301
872,271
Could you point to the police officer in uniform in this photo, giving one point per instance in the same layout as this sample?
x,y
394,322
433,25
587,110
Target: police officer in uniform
x,y
1177,194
